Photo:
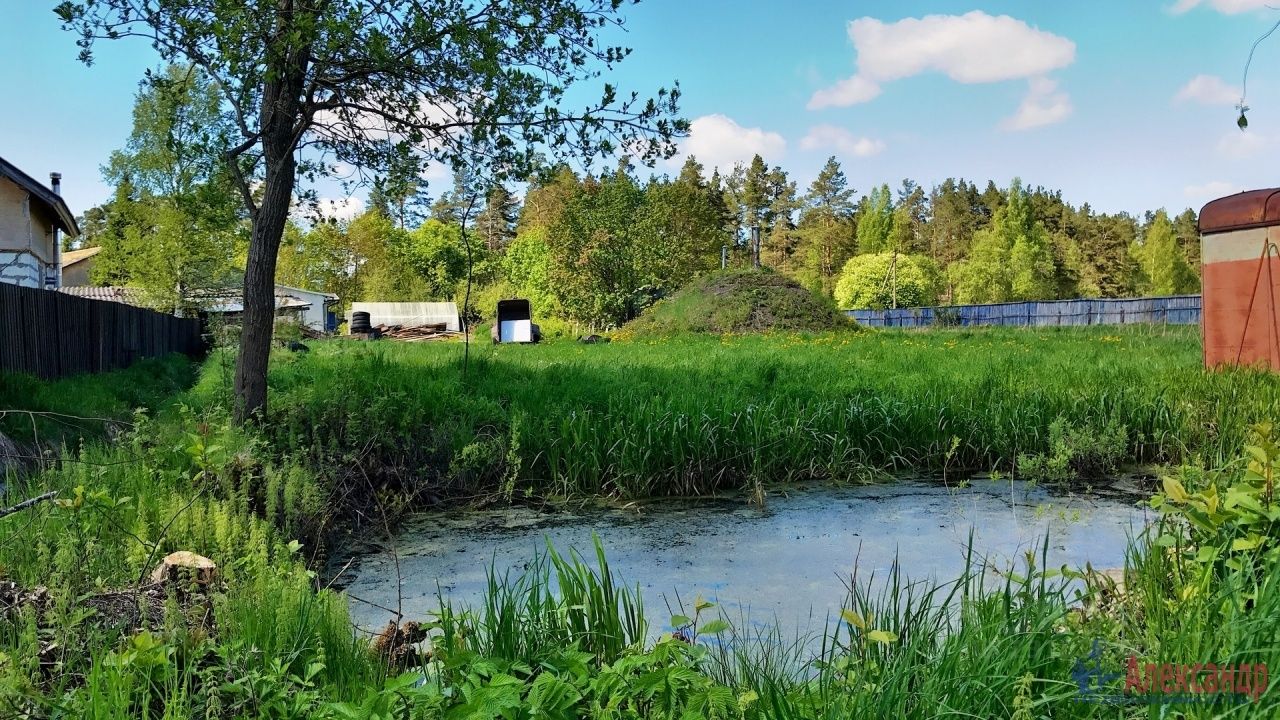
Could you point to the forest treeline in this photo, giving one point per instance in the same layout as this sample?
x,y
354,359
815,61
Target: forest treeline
x,y
595,249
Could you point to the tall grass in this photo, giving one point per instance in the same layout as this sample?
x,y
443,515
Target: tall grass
x,y
32,410
559,602
696,414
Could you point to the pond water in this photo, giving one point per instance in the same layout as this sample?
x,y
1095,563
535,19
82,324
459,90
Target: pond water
x,y
786,563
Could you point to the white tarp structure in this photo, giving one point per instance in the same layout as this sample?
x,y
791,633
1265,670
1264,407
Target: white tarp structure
x,y
520,331
410,313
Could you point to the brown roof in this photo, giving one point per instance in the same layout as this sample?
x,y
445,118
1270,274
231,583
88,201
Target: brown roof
x,y
71,257
1251,209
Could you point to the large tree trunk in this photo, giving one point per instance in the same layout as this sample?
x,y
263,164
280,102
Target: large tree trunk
x,y
279,122
259,290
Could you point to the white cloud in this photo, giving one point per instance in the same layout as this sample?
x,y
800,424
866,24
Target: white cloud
x,y
1208,90
438,176
841,140
353,125
850,91
1043,105
1227,7
1210,190
1244,145
341,208
970,48
719,142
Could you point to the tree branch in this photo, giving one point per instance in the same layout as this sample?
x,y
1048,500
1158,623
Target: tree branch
x,y
28,503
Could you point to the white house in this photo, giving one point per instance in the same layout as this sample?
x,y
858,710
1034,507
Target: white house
x,y
321,313
32,218
311,308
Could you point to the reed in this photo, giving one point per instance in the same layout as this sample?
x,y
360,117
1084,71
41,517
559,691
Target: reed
x,y
693,414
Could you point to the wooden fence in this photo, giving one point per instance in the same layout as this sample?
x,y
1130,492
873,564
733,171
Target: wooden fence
x,y
1173,310
51,334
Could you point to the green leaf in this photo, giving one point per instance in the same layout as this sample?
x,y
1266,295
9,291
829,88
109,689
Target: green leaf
x,y
882,636
1249,543
715,627
679,621
854,619
551,695
1257,453
1174,490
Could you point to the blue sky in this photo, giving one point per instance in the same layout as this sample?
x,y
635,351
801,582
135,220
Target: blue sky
x,y
1124,105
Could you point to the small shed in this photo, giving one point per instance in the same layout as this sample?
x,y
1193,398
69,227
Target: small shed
x,y
1241,279
319,314
514,323
410,314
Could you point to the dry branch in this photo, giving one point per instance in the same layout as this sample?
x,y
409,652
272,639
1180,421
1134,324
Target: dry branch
x,y
28,503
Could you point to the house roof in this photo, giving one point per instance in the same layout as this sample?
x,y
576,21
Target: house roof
x,y
328,296
71,257
64,219
231,300
236,304
126,295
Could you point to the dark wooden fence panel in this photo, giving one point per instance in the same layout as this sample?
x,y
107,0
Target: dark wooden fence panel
x,y
52,335
1173,310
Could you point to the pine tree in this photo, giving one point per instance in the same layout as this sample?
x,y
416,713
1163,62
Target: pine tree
x,y
495,225
718,196
450,206
778,237
826,228
952,222
754,197
691,173
400,192
909,220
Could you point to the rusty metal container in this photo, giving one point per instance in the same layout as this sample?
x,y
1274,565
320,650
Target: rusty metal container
x,y
1241,279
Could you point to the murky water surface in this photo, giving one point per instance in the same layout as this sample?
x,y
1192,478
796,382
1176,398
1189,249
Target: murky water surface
x,y
786,562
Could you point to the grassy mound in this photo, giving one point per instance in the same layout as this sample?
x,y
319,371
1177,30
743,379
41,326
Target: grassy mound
x,y
739,301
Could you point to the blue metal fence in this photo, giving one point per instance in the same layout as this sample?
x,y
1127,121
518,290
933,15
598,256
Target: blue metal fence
x,y
1174,310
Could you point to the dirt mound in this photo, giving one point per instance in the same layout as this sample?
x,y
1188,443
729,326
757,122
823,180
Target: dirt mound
x,y
739,301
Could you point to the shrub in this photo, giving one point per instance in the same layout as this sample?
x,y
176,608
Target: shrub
x,y
887,280
1077,453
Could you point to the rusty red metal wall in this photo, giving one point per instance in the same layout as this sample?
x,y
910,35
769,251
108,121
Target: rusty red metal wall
x,y
1241,283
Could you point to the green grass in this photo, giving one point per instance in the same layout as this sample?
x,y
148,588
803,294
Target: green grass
x,y
697,414
35,410
567,639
